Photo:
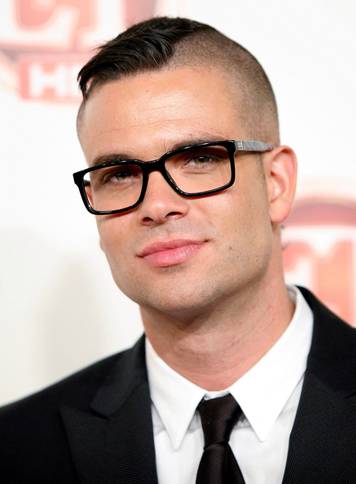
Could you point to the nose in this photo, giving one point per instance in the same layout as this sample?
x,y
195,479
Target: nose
x,y
161,203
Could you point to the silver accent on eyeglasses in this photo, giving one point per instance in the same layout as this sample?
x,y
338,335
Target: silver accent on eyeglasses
x,y
253,146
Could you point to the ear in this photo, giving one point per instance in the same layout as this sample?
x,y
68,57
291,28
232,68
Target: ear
x,y
280,166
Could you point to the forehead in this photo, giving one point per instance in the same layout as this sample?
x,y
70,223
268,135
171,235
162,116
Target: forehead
x,y
160,109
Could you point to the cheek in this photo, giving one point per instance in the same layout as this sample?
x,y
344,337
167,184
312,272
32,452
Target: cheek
x,y
244,218
112,239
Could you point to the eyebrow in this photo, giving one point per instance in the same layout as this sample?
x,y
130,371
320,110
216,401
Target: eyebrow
x,y
195,141
107,157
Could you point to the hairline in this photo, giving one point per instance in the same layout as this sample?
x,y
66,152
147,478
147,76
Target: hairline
x,y
232,76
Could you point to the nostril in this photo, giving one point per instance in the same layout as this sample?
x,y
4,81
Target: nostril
x,y
160,218
174,214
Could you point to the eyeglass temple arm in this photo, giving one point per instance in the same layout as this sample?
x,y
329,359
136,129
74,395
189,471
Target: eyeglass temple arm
x,y
253,146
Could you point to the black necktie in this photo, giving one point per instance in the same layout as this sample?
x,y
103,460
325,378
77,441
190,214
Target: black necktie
x,y
218,464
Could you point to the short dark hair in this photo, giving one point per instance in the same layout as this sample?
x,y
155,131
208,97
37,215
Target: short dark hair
x,y
168,42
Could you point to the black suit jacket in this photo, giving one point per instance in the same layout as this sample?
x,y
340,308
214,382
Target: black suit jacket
x,y
95,426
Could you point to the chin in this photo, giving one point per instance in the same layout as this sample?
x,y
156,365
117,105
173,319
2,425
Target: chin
x,y
180,305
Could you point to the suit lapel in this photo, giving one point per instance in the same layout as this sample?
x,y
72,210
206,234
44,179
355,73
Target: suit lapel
x,y
322,443
112,442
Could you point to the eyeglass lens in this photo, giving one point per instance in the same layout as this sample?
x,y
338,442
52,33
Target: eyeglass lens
x,y
193,170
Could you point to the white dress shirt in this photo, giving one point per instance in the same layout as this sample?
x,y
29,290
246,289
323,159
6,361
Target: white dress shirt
x,y
268,395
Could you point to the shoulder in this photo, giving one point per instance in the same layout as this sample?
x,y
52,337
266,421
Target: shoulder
x,y
328,323
77,389
332,357
34,444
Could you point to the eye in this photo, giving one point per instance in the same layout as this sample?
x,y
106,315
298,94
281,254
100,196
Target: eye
x,y
202,158
118,174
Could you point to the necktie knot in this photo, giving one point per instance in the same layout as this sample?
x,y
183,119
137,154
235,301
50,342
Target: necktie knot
x,y
218,417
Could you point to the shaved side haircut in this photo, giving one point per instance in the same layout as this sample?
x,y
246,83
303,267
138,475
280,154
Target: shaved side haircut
x,y
167,43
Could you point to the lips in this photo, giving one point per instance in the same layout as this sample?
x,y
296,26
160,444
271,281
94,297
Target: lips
x,y
169,253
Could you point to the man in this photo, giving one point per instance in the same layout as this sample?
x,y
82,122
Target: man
x,y
239,378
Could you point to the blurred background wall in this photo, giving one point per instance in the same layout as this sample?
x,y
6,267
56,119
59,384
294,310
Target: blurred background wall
x,y
59,309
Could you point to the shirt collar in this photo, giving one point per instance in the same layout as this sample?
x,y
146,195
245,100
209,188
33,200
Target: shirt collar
x,y
264,390
174,398
271,380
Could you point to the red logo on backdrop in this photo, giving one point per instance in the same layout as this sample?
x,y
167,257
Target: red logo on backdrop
x,y
43,43
320,252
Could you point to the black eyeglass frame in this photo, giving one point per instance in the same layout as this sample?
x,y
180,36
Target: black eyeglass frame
x,y
232,147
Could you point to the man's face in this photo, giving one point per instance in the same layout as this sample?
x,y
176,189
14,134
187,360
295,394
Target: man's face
x,y
219,245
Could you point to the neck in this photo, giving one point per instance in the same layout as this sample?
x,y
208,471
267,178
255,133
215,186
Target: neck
x,y
216,348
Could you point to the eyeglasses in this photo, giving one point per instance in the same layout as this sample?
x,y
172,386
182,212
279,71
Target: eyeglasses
x,y
118,185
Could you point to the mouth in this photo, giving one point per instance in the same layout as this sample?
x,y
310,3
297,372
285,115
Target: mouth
x,y
170,253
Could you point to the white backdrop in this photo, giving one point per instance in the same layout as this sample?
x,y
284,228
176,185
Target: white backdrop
x,y
59,308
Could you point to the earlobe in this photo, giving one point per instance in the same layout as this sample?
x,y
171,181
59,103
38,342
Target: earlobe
x,y
281,173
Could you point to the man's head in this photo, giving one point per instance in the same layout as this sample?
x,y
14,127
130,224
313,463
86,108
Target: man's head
x,y
173,82
175,42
